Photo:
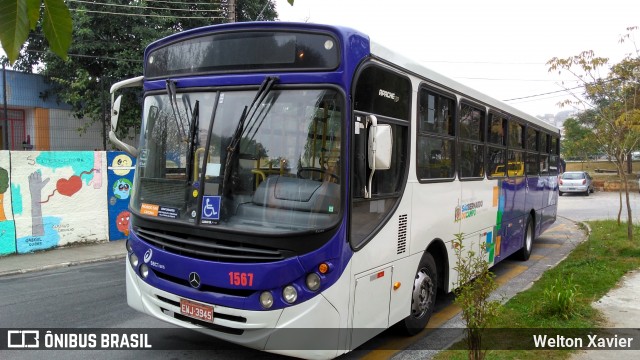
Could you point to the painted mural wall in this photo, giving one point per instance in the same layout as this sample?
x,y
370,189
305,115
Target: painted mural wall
x,y
58,198
7,226
120,170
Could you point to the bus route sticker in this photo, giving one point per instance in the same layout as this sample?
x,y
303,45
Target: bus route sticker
x,y
210,209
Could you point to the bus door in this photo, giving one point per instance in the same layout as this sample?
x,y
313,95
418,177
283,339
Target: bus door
x,y
382,106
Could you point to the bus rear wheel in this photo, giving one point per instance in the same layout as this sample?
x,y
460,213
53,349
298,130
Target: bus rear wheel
x,y
423,296
529,233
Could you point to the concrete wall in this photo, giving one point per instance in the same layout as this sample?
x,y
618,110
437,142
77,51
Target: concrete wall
x,y
58,198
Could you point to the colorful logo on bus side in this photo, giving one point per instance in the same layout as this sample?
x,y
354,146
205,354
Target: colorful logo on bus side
x,y
468,210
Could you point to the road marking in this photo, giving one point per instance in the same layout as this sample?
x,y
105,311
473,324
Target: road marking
x,y
550,246
437,319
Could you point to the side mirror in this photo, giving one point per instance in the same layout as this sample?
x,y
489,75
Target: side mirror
x,y
380,147
115,113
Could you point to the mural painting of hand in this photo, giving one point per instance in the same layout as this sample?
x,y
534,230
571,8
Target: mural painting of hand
x,y
36,184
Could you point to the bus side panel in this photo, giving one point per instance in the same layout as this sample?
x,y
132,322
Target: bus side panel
x,y
512,218
535,199
479,206
434,219
551,200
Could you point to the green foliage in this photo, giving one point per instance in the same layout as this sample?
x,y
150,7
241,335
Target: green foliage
x,y
591,270
611,104
108,48
474,287
559,299
578,140
4,180
18,17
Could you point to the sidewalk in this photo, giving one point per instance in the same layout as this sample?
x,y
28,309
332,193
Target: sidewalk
x,y
621,309
62,257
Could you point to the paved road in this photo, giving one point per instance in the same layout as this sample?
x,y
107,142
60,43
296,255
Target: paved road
x,y
599,205
94,296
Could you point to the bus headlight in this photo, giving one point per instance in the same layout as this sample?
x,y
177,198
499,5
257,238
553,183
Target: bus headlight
x,y
313,281
144,271
133,259
266,300
128,246
290,294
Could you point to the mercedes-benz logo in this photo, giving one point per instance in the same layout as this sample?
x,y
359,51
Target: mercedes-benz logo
x,y
148,255
194,280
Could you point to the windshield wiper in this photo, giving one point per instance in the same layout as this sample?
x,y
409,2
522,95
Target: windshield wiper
x,y
247,113
171,91
193,140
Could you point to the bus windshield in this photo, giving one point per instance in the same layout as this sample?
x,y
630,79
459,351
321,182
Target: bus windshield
x,y
275,168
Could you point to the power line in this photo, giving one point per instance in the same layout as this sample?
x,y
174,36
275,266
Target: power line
x,y
185,3
548,93
498,79
482,62
147,15
139,7
90,56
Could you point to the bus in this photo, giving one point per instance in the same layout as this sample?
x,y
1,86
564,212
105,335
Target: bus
x,y
295,179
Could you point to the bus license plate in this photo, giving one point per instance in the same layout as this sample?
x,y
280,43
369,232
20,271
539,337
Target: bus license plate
x,y
196,310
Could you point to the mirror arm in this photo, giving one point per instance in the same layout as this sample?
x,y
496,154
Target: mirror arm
x,y
374,127
122,145
115,113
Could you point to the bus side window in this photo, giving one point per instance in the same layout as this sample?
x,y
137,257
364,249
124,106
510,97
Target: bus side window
x,y
387,95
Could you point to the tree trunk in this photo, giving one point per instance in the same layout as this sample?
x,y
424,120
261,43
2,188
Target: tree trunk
x,y
629,218
620,206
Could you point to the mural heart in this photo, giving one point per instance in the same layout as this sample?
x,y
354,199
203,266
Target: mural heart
x,y
69,187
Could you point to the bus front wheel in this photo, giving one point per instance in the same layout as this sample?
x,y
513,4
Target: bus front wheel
x,y
423,297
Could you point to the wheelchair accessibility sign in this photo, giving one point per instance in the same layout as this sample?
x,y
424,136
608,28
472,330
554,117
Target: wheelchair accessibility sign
x,y
210,208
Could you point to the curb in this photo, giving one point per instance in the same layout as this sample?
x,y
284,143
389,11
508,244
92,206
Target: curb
x,y
62,265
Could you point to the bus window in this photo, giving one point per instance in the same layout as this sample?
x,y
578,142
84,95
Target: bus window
x,y
532,139
387,95
435,152
471,146
471,123
515,135
496,159
497,129
515,164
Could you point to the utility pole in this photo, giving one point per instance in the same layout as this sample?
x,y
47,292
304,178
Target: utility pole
x,y
231,10
5,121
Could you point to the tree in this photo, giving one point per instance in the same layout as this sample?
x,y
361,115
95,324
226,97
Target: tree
x,y
611,105
18,17
578,141
109,41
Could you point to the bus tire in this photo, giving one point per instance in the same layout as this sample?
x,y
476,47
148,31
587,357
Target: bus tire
x,y
423,295
529,234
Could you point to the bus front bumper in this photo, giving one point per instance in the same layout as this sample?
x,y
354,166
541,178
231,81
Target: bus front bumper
x,y
310,329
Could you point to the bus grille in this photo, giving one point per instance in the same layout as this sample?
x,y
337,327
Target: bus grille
x,y
207,249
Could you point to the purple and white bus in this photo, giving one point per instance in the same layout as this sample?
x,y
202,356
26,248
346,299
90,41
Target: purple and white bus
x,y
302,177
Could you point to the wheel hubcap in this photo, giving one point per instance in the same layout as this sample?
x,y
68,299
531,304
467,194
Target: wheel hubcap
x,y
422,294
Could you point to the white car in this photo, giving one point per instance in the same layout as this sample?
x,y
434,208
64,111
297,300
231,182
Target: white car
x,y
576,182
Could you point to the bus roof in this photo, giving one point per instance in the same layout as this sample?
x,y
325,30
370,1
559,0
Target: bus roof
x,y
413,67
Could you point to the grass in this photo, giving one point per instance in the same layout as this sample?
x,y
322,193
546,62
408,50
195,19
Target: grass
x,y
589,272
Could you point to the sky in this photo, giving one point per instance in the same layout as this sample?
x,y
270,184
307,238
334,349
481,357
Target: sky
x,y
499,47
